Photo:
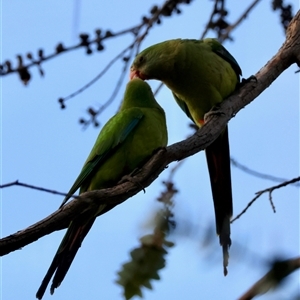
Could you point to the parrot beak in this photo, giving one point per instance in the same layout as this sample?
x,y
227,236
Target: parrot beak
x,y
133,74
136,74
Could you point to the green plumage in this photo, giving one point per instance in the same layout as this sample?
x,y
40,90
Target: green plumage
x,y
126,142
200,75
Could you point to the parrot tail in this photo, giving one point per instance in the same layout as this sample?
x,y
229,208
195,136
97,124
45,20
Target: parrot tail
x,y
65,255
218,161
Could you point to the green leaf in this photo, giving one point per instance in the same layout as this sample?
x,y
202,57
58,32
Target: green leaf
x,y
146,261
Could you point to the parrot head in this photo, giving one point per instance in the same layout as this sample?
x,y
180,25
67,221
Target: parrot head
x,y
140,67
155,62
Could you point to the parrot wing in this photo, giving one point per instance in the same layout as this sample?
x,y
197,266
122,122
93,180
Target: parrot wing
x,y
182,104
217,48
105,145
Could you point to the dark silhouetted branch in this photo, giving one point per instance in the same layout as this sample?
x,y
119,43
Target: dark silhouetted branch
x,y
279,270
257,174
269,191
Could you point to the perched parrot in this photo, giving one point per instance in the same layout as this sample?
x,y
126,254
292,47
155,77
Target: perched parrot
x,y
200,74
125,143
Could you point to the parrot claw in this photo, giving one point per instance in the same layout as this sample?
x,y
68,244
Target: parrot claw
x,y
213,112
252,79
132,180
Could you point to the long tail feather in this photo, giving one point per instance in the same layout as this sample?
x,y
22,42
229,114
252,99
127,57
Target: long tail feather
x,y
65,255
218,161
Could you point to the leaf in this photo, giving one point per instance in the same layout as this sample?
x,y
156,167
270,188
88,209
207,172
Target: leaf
x,y
146,261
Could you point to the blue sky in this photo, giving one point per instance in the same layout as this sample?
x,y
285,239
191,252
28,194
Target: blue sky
x,y
45,146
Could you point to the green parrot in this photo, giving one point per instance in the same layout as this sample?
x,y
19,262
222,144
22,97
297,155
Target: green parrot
x,y
200,73
125,143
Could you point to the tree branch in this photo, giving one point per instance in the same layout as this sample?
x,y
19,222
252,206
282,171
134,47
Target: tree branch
x,y
288,54
226,32
219,25
156,13
279,270
257,174
268,190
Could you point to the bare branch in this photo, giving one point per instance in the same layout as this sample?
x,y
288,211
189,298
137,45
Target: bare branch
x,y
226,32
258,174
166,10
222,28
268,190
278,271
94,114
105,69
271,189
208,24
17,183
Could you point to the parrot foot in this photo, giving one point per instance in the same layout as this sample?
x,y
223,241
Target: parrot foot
x,y
129,178
215,111
252,78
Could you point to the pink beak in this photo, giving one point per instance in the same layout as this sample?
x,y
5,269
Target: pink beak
x,y
133,74
137,74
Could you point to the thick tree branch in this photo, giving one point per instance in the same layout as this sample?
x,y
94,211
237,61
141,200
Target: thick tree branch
x,y
288,54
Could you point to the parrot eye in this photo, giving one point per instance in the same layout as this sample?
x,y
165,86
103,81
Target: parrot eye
x,y
141,59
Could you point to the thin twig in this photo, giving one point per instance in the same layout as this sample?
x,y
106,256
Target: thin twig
x,y
271,189
115,91
85,42
158,88
105,69
208,24
247,170
71,48
268,190
225,35
34,187
151,22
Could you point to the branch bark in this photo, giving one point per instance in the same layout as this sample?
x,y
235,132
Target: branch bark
x,y
288,54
